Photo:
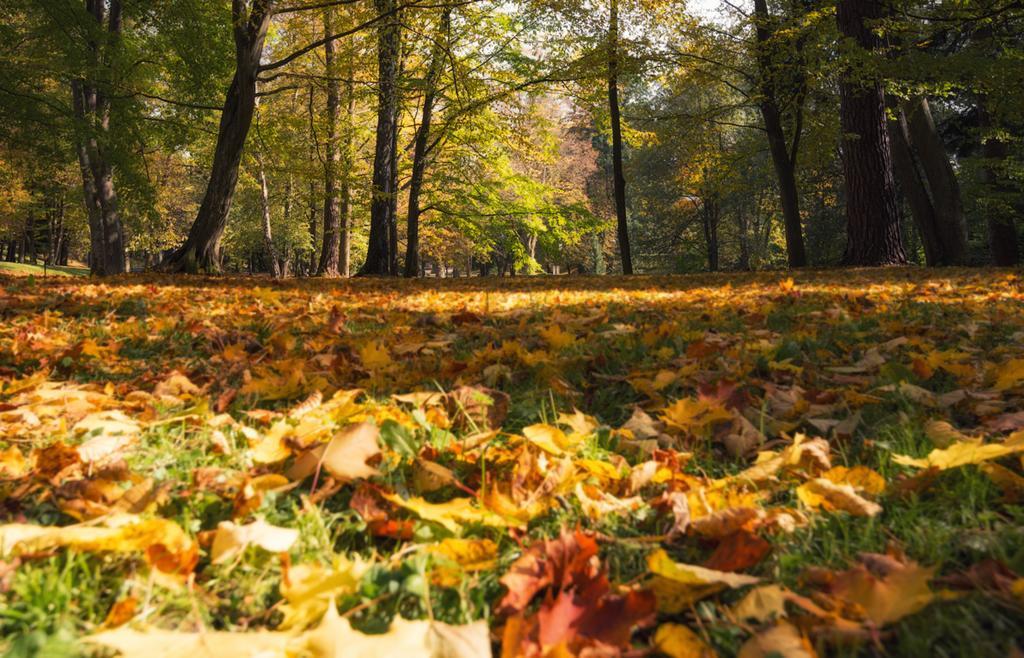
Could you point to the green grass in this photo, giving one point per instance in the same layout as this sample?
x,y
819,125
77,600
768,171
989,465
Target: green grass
x,y
39,270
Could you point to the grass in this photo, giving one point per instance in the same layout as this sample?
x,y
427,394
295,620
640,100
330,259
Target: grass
x,y
24,269
747,338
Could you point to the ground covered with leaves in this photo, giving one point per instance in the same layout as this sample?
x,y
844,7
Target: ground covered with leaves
x,y
828,464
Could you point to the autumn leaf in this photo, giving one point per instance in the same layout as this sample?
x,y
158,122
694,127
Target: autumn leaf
x,y
231,540
164,542
452,515
678,641
780,641
309,589
882,589
678,585
965,453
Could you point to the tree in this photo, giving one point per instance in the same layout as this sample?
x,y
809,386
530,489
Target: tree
x,y
422,146
873,230
380,257
619,178
330,255
201,251
784,151
91,103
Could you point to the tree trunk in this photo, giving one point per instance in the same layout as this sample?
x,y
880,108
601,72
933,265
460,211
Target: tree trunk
x,y
914,190
378,258
419,158
783,156
268,235
943,186
619,177
873,231
91,106
348,163
330,256
201,251
710,215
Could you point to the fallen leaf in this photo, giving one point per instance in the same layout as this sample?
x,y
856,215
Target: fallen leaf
x,y
231,540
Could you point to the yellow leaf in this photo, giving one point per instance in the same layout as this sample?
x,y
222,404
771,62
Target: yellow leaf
x,y
678,641
690,415
1009,374
344,457
232,539
965,453
551,439
557,338
678,585
762,604
822,492
375,357
452,515
309,589
335,638
118,534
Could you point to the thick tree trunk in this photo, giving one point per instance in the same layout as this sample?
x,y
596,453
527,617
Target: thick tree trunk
x,y
873,231
783,156
618,174
91,106
420,152
378,256
201,251
330,255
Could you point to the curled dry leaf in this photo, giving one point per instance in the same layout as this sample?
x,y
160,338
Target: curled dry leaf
x,y
231,539
780,641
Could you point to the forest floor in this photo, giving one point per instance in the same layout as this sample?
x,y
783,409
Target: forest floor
x,y
822,462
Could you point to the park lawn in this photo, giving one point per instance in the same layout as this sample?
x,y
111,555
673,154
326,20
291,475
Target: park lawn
x,y
818,462
24,269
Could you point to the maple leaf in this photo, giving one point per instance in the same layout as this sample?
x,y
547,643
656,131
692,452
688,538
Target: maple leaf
x,y
453,515
693,416
964,453
166,545
309,589
578,608
882,589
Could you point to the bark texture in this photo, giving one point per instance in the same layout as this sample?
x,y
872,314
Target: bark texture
x,y
379,256
872,219
201,251
91,106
